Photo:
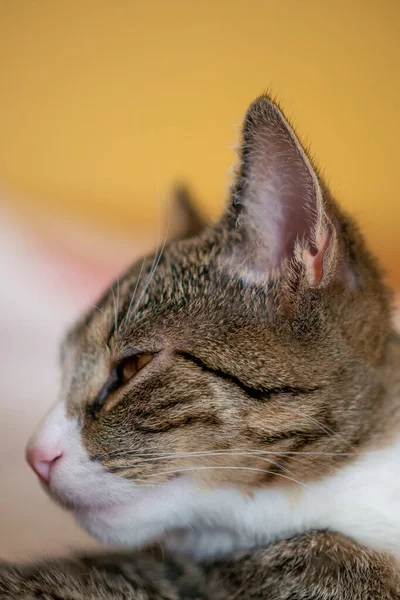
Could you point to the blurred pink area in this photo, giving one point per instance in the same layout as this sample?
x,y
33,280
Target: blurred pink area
x,y
47,280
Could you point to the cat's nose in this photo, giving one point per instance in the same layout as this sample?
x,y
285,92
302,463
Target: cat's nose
x,y
42,461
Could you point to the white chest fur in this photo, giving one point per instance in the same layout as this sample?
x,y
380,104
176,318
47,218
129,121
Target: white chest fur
x,y
361,501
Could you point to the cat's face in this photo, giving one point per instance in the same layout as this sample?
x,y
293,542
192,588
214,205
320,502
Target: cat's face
x,y
226,362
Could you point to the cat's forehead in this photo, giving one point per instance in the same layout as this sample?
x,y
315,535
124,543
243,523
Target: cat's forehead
x,y
183,292
150,288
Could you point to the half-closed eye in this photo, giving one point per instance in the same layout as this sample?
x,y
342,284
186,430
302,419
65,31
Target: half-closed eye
x,y
123,372
132,365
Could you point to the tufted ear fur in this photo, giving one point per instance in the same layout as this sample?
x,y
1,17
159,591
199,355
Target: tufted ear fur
x,y
278,201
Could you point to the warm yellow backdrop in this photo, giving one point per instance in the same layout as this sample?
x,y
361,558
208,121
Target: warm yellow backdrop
x,y
104,103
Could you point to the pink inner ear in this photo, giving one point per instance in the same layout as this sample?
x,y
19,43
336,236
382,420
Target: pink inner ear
x,y
281,199
281,192
315,262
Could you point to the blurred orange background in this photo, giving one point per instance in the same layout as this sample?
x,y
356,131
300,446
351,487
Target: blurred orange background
x,y
103,106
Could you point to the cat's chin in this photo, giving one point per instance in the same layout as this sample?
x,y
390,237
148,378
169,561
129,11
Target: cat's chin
x,y
118,523
134,520
95,509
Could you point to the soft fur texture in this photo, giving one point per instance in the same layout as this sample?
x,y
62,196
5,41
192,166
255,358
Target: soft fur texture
x,y
268,402
315,566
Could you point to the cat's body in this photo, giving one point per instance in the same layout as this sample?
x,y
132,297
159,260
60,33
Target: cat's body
x,y
315,566
239,388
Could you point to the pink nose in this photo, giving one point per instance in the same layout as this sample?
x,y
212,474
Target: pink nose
x,y
42,461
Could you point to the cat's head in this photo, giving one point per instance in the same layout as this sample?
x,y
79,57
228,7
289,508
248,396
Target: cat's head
x,y
239,358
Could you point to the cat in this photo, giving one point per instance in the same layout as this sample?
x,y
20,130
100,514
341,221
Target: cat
x,y
235,398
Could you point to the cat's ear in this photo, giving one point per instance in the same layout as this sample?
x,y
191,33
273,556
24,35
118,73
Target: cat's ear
x,y
186,220
278,206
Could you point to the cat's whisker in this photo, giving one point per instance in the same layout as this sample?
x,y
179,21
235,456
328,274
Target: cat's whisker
x,y
99,309
117,315
150,452
322,426
138,281
210,454
116,305
208,468
122,453
127,316
254,455
156,263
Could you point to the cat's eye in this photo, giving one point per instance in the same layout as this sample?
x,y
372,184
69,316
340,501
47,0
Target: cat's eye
x,y
132,365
